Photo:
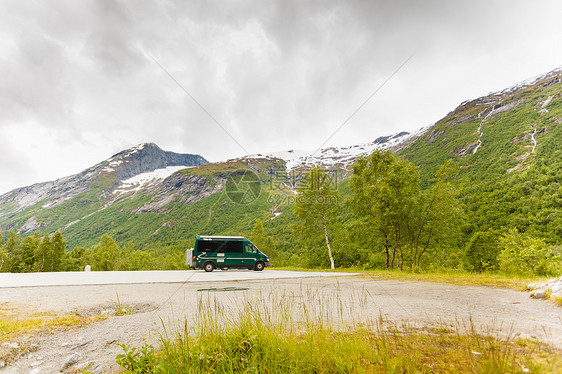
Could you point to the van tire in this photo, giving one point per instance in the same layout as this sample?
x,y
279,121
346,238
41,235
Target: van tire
x,y
209,266
259,266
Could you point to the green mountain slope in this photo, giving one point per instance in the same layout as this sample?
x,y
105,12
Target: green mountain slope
x,y
512,178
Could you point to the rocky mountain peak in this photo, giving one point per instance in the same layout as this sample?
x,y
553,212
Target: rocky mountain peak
x,y
147,157
126,164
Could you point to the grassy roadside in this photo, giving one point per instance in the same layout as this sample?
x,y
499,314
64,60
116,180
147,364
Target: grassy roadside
x,y
16,323
255,348
496,280
277,334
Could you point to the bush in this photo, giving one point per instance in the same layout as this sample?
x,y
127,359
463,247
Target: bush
x,y
482,251
523,254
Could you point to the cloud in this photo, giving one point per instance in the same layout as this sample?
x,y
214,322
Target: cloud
x,y
275,74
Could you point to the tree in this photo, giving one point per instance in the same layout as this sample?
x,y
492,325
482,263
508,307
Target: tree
x,y
388,198
523,254
482,251
24,256
3,253
42,253
106,254
439,215
58,247
386,191
260,239
257,236
316,206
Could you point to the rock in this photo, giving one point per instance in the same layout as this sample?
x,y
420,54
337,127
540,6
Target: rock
x,y
82,342
71,360
2,363
556,295
538,294
11,345
108,312
90,367
533,286
556,287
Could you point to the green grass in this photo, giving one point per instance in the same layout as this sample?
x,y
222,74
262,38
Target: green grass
x,y
14,321
306,333
496,280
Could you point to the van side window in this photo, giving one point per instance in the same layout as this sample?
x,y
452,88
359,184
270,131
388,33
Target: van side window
x,y
249,248
234,246
214,246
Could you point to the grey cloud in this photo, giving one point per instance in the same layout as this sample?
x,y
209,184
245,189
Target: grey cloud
x,y
111,40
275,73
34,79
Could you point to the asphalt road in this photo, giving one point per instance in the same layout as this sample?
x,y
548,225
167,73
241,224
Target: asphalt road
x,y
9,280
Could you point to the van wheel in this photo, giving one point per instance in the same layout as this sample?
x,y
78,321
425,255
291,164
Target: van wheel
x,y
259,266
209,266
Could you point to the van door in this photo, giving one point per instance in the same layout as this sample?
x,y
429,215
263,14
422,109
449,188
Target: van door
x,y
211,250
249,254
234,254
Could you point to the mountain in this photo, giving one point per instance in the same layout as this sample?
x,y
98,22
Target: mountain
x,y
506,143
100,181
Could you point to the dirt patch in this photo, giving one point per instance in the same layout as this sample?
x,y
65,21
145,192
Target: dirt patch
x,y
164,308
118,309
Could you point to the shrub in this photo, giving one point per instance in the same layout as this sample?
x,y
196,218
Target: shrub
x,y
482,251
523,254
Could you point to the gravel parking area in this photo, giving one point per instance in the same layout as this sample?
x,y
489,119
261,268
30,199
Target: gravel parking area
x,y
349,298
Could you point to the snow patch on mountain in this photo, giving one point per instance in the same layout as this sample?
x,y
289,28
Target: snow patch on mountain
x,y
140,181
546,102
341,156
528,82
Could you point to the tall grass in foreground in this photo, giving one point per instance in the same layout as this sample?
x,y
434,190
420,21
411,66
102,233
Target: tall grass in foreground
x,y
323,334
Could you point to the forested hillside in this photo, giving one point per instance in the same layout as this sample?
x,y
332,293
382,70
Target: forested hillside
x,y
509,148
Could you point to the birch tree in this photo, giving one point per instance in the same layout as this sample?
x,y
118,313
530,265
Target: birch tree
x,y
317,205
388,198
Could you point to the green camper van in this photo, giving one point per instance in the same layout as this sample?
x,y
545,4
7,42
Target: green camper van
x,y
225,252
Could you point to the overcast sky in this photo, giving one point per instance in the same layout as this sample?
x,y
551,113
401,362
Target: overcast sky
x,y
78,83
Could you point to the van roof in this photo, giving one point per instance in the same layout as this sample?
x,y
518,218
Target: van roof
x,y
210,237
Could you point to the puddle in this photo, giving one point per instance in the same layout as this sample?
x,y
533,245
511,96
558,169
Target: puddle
x,y
224,289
